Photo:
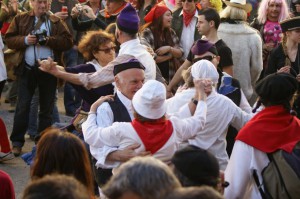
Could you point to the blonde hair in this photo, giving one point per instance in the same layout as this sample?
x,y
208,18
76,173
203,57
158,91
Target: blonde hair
x,y
216,4
234,13
284,47
188,78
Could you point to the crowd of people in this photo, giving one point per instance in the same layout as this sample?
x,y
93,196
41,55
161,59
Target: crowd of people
x,y
168,99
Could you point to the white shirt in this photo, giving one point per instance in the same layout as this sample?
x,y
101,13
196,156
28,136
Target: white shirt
x,y
122,134
135,48
239,172
187,36
3,74
221,112
105,118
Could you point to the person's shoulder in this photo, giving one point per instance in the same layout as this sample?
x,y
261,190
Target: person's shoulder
x,y
177,12
222,46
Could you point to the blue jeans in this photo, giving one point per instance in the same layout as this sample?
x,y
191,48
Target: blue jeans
x,y
29,80
34,108
72,100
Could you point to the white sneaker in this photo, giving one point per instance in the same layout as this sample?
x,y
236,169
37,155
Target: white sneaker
x,y
6,156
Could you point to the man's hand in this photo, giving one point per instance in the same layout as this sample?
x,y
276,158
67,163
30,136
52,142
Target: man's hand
x,y
102,99
126,154
88,11
31,39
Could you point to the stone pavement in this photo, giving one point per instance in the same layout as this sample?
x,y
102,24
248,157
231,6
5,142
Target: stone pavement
x,y
17,168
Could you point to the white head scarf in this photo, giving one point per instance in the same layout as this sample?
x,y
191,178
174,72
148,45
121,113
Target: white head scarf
x,y
204,69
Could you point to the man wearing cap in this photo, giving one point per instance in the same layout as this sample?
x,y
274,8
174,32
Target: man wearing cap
x,y
129,78
273,128
208,23
184,24
245,44
126,34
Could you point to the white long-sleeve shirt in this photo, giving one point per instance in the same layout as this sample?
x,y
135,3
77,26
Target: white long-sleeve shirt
x,y
105,118
239,172
122,134
221,112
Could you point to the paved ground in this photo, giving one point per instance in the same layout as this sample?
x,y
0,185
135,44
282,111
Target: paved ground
x,y
17,168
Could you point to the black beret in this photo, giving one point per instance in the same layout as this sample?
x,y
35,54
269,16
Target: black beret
x,y
133,63
290,24
277,87
198,165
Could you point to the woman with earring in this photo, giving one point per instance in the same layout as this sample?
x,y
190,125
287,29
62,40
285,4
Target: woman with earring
x,y
158,34
286,57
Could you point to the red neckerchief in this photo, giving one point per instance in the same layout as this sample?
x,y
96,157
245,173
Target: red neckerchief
x,y
107,15
187,17
153,135
271,129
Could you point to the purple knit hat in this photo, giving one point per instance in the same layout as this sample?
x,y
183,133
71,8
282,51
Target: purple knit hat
x,y
202,46
128,20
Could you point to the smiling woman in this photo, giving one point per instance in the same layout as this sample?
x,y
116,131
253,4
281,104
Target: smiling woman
x,y
158,34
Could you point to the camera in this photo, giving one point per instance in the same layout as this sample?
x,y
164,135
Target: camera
x,y
41,36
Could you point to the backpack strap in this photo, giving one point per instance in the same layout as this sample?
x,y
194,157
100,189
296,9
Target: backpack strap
x,y
259,186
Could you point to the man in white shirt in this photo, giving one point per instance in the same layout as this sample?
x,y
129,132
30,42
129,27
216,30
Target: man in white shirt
x,y
129,78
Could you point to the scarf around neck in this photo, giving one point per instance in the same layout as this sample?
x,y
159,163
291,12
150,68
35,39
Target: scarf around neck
x,y
187,17
154,135
271,129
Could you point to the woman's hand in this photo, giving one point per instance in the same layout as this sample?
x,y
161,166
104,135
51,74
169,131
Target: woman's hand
x,y
285,69
102,99
48,66
163,50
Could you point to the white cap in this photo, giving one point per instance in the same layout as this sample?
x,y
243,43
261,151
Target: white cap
x,y
150,100
204,69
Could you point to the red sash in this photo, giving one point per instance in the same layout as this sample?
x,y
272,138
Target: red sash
x,y
271,129
187,17
153,135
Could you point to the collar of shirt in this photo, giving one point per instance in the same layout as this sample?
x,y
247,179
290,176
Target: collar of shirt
x,y
96,64
196,13
127,103
128,44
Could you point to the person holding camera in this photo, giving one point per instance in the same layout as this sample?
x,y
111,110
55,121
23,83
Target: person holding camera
x,y
37,35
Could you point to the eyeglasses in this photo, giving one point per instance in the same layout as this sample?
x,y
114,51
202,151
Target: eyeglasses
x,y
107,50
209,58
190,1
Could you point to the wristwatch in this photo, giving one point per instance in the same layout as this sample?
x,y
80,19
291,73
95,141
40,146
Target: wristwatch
x,y
194,101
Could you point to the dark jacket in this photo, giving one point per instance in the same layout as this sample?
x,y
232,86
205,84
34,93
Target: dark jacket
x,y
59,40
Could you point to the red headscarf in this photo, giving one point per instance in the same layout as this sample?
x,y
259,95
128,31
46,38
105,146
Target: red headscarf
x,y
271,129
156,12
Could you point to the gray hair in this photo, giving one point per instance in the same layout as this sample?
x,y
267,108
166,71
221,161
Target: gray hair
x,y
147,177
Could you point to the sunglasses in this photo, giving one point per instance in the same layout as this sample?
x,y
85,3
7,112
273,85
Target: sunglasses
x,y
190,1
209,58
107,50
